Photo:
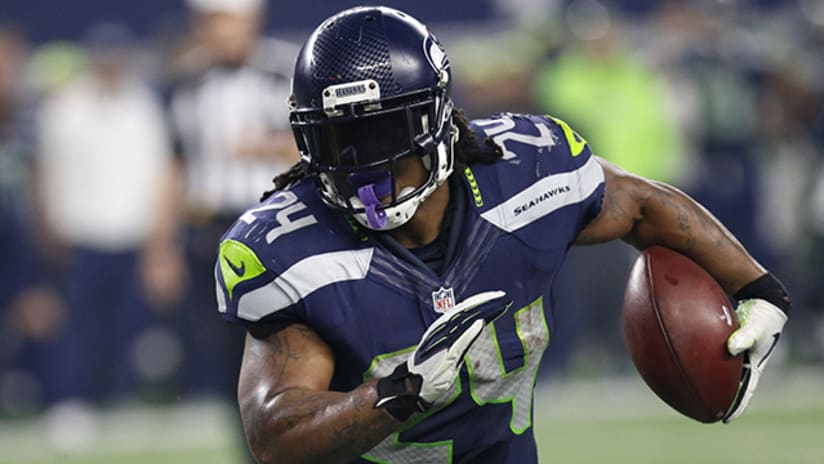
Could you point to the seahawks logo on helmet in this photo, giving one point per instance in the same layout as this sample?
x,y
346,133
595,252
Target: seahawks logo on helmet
x,y
436,56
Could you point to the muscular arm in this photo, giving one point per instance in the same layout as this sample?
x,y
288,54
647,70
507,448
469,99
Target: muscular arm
x,y
645,213
289,414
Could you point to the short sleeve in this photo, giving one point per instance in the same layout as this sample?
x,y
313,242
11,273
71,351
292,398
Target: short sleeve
x,y
247,292
590,174
550,185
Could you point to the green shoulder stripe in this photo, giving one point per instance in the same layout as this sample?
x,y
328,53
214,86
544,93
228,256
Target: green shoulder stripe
x,y
575,141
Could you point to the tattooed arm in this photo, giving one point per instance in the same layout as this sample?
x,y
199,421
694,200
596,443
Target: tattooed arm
x,y
289,414
645,213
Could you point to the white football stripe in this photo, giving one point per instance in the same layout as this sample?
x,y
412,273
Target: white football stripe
x,y
545,196
303,278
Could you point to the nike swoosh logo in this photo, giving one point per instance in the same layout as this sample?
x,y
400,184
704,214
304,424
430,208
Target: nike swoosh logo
x,y
776,336
746,374
382,401
239,270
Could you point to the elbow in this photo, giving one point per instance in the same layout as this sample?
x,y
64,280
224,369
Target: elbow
x,y
268,434
261,430
264,445
269,449
262,453
256,440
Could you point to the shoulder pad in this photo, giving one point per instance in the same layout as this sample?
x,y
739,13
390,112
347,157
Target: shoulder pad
x,y
280,252
522,134
534,147
546,168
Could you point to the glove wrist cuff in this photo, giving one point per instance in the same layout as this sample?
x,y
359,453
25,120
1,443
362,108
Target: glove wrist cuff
x,y
767,288
399,392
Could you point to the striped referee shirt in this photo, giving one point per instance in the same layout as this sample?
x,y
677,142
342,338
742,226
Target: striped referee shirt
x,y
213,113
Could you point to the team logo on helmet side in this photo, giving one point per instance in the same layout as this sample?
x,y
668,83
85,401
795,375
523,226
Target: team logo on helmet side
x,y
435,54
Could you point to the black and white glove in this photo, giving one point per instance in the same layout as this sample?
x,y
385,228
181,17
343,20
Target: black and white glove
x,y
761,324
425,379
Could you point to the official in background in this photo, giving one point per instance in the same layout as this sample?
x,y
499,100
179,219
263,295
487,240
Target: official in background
x,y
230,125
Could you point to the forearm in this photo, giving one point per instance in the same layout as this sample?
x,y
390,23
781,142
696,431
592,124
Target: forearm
x,y
670,218
300,425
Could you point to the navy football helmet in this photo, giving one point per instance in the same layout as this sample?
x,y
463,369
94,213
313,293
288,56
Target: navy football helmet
x,y
371,86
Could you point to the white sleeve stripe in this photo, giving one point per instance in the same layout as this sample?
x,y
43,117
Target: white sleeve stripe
x,y
303,278
221,298
545,196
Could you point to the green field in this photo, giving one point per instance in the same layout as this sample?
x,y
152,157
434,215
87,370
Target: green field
x,y
596,421
622,422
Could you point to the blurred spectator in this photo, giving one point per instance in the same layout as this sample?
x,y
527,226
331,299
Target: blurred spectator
x,y
231,129
103,164
612,97
54,65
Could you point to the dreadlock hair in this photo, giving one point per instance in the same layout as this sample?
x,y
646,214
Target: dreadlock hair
x,y
467,151
295,173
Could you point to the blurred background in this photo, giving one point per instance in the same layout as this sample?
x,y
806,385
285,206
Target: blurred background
x,y
133,133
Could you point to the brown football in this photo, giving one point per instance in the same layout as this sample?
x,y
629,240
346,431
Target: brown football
x,y
676,323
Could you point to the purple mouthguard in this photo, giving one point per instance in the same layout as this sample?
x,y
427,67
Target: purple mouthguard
x,y
370,187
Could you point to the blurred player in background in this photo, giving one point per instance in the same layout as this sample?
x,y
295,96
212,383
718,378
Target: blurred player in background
x,y
104,156
395,283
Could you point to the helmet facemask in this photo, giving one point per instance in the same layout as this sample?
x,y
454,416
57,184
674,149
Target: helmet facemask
x,y
370,91
354,148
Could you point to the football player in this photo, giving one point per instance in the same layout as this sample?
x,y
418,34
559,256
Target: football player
x,y
395,282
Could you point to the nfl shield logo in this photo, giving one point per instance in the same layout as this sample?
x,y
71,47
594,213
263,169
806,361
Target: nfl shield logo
x,y
443,299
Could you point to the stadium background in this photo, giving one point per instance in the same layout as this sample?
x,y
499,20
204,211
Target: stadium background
x,y
725,99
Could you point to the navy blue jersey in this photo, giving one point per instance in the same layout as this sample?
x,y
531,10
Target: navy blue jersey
x,y
291,259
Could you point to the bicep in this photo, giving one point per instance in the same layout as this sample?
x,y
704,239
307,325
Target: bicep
x,y
643,213
291,357
622,207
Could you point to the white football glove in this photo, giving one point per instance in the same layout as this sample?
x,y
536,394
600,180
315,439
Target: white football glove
x,y
761,324
425,379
